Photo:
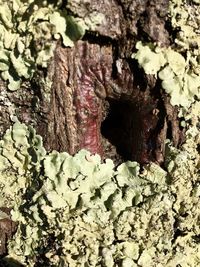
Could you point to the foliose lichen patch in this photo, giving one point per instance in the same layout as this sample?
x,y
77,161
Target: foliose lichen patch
x,y
21,152
80,211
75,211
28,30
178,66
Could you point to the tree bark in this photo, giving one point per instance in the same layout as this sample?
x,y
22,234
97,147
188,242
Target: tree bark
x,y
99,98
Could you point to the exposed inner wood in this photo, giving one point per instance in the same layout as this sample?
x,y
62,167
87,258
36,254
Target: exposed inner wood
x,y
97,97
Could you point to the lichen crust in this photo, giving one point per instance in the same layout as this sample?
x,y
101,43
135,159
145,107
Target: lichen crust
x,y
78,210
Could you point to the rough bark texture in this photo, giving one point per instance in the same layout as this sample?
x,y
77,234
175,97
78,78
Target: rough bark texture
x,y
7,229
100,99
104,104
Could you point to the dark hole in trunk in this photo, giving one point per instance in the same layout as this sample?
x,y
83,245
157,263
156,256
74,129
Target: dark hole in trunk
x,y
123,129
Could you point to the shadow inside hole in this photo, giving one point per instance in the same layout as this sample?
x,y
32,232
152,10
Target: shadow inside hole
x,y
120,128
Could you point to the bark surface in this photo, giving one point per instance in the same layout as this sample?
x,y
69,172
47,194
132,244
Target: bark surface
x,y
99,98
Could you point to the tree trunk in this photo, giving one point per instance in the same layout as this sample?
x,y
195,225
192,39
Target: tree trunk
x,y
97,97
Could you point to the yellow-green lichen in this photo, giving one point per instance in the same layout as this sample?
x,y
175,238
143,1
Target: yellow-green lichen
x,y
178,66
178,79
21,152
98,215
28,30
80,211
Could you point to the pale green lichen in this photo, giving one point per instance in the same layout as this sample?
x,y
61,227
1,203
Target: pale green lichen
x,y
178,66
21,152
78,211
178,80
28,30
